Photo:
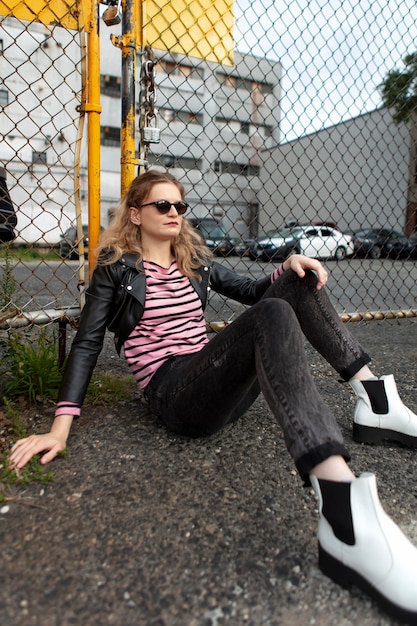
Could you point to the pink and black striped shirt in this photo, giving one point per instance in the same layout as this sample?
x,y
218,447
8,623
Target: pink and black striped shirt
x,y
172,322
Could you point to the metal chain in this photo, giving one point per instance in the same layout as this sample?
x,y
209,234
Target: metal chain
x,y
149,131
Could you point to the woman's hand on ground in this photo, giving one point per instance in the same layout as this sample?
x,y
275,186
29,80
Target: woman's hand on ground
x,y
300,263
24,449
51,443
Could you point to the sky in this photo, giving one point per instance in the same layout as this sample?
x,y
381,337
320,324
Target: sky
x,y
334,54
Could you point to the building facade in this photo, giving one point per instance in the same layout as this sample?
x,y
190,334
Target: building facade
x,y
355,173
219,134
214,123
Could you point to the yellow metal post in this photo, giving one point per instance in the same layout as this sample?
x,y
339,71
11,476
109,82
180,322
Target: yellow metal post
x,y
93,109
127,44
128,161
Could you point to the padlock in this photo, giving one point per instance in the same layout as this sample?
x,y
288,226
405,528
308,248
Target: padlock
x,y
151,134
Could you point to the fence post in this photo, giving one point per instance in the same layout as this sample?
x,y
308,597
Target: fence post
x,y
127,160
93,109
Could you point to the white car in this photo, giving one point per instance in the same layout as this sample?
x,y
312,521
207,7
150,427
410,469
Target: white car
x,y
318,242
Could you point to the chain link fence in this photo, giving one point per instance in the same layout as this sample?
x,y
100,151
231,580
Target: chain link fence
x,y
41,67
272,115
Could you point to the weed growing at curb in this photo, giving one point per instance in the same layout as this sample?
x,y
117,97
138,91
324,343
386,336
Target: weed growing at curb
x,y
31,366
8,282
18,427
32,472
107,388
22,253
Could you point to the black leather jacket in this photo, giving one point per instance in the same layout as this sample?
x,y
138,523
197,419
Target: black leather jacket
x,y
115,301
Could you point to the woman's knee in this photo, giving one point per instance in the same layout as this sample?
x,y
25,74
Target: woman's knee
x,y
290,287
275,310
308,280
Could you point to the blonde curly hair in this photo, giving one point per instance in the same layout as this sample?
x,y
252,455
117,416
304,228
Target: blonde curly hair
x,y
122,235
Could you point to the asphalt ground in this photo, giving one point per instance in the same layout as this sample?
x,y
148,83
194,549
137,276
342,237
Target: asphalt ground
x,y
141,527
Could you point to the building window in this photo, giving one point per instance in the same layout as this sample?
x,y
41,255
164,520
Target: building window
x,y
225,167
110,85
246,128
167,67
191,118
39,157
180,69
263,87
168,115
226,80
236,82
4,97
171,161
233,126
110,136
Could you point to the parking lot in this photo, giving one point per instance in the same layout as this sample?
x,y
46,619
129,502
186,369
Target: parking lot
x,y
354,284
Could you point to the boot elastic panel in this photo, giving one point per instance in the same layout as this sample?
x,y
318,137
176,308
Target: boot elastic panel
x,y
377,395
337,510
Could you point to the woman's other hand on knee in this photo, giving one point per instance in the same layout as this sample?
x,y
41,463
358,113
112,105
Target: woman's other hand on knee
x,y
300,263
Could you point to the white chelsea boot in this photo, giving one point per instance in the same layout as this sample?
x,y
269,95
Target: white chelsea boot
x,y
381,414
360,545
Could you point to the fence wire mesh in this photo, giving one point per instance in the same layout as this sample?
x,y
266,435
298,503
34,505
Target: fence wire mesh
x,y
41,68
285,144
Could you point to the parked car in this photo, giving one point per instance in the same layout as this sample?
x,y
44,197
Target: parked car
x,y
214,235
327,223
375,243
68,246
256,245
293,223
403,248
313,241
242,246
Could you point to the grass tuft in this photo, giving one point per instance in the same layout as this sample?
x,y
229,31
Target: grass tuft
x,y
107,388
31,368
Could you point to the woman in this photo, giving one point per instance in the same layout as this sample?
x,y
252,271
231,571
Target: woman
x,y
150,288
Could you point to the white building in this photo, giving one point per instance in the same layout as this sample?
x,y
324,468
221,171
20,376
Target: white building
x,y
38,99
214,120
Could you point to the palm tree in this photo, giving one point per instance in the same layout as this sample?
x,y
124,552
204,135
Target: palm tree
x,y
399,93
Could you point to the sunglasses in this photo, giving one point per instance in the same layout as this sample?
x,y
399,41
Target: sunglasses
x,y
163,206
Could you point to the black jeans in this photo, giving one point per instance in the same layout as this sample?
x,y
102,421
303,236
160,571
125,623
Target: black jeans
x,y
263,350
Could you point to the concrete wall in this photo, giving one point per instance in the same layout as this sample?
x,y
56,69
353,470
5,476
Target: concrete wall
x,y
354,173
